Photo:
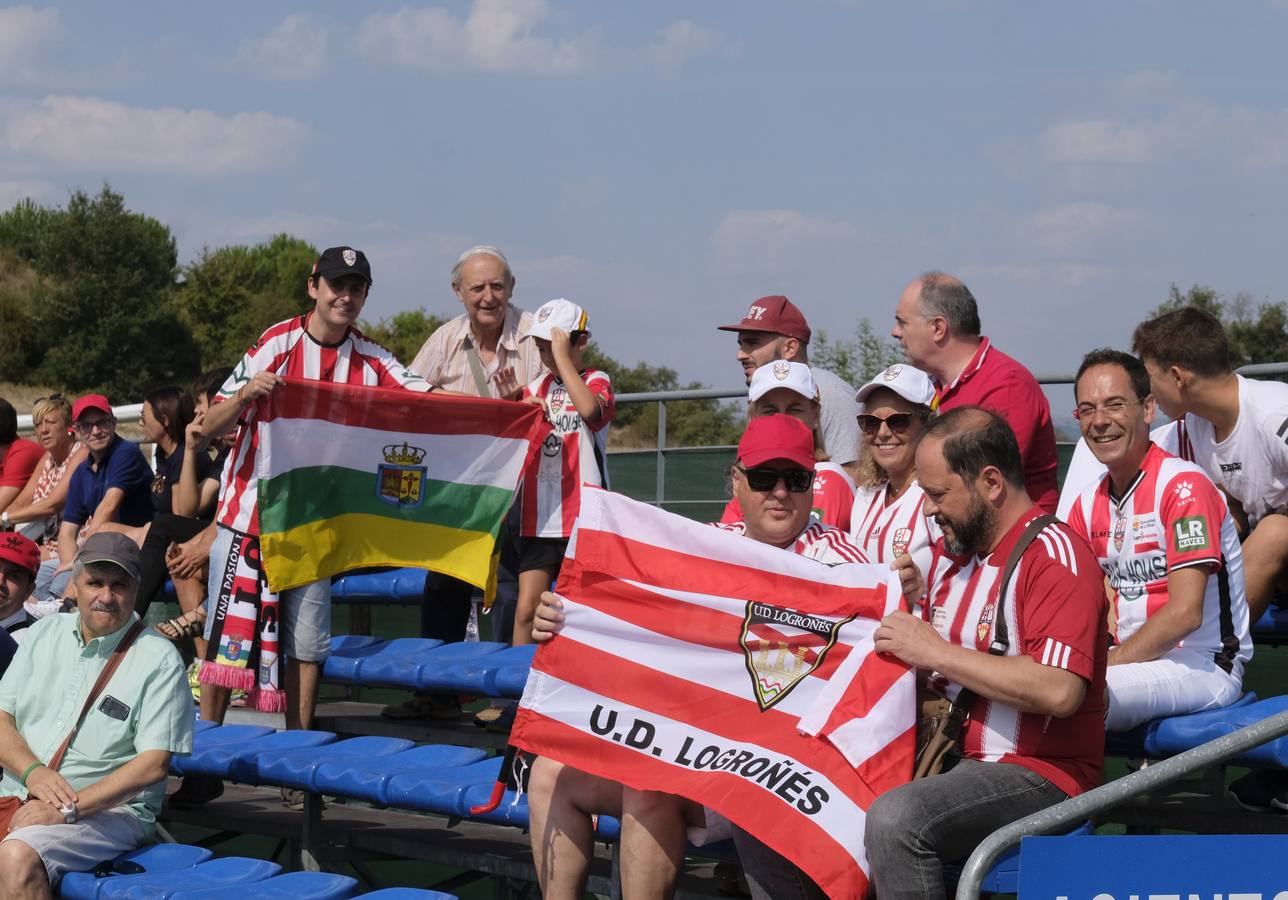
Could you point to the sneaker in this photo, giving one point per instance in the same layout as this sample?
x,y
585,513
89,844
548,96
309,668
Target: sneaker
x,y
443,707
194,683
195,791
1261,791
38,609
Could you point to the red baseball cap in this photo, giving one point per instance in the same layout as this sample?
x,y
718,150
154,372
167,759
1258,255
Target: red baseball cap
x,y
20,550
775,314
90,401
777,437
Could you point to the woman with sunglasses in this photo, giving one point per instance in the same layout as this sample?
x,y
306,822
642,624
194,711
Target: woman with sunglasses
x,y
887,520
788,388
35,510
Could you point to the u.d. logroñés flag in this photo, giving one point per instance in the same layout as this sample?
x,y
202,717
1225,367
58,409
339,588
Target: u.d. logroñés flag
x,y
736,674
353,476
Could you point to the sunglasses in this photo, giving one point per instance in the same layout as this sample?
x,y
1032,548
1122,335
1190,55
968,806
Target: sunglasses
x,y
104,424
761,479
898,423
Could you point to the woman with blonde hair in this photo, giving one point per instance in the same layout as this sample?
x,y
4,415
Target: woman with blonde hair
x,y
888,517
36,509
788,388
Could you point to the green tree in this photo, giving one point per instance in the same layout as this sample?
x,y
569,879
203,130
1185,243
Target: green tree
x,y
404,333
1256,331
229,295
20,286
100,316
855,361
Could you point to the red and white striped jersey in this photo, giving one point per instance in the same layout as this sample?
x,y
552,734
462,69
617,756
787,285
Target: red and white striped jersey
x,y
833,498
1170,517
288,349
885,530
571,454
1055,613
818,541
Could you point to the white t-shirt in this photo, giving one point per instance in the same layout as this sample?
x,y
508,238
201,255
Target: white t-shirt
x,y
884,530
838,416
16,625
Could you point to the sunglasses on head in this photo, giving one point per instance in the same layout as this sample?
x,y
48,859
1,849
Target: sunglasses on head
x,y
762,479
898,422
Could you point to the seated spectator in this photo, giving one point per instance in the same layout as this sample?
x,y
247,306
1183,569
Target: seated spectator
x,y
36,511
889,518
788,388
102,797
112,485
1168,548
19,560
773,487
18,457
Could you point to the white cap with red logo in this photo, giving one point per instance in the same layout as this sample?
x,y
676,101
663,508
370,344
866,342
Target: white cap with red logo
x,y
782,374
563,314
911,384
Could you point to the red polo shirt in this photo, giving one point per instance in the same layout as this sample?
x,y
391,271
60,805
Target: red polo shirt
x,y
995,381
19,461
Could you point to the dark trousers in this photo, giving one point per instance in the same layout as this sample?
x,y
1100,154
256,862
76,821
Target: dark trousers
x,y
166,530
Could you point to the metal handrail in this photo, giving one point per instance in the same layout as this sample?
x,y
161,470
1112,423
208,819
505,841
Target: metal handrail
x,y
1084,806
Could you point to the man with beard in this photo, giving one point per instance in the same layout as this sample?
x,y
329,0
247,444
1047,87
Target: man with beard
x,y
1034,734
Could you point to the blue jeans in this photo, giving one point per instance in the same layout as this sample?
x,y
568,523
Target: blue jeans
x,y
915,828
47,584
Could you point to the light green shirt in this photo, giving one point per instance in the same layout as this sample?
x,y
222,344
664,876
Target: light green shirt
x,y
150,705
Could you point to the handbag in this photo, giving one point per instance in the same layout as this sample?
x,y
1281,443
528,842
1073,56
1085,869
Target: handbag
x,y
10,805
940,721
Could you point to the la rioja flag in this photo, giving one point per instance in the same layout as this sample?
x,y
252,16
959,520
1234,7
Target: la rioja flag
x,y
736,674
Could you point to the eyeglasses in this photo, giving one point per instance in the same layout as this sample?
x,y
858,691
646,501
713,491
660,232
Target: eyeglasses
x,y
88,427
761,479
898,423
1111,408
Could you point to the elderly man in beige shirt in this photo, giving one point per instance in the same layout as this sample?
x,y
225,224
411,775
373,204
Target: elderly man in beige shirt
x,y
478,353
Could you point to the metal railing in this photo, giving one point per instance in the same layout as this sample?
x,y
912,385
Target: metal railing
x,y
1084,806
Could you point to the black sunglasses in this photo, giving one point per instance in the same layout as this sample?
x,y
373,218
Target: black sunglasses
x,y
762,479
897,423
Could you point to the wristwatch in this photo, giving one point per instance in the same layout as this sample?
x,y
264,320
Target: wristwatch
x,y
69,813
4,521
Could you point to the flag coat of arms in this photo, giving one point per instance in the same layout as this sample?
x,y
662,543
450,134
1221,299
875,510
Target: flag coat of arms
x,y
353,476
736,674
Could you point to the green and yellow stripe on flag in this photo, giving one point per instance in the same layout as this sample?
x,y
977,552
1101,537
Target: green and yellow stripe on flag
x,y
353,476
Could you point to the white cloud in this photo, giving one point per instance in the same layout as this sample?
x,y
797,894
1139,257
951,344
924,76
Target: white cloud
x,y
14,191
296,50
683,40
496,36
24,32
1255,138
1075,227
776,239
85,133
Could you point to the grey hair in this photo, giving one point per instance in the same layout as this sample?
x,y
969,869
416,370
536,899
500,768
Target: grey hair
x,y
944,295
79,567
480,250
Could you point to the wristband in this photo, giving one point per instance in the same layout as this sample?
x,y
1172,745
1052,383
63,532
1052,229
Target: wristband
x,y
31,768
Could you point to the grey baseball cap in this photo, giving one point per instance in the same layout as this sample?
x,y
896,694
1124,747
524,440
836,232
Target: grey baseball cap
x,y
112,547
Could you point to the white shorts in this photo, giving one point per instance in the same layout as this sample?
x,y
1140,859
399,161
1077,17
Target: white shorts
x,y
82,846
1183,681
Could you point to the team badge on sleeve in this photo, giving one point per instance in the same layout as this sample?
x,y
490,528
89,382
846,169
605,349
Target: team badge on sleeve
x,y
1190,533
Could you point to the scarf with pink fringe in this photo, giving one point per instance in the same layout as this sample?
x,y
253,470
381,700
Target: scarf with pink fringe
x,y
243,653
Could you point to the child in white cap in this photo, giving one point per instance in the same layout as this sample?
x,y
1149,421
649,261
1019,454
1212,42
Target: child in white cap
x,y
788,388
579,405
888,518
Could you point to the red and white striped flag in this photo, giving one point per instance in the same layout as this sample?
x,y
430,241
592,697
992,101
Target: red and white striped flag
x,y
736,674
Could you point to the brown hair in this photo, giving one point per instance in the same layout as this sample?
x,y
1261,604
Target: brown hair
x,y
1187,337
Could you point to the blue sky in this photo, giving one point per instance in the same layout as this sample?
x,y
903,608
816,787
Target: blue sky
x,y
666,163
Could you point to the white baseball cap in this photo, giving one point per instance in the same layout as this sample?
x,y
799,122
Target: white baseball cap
x,y
557,314
782,374
911,384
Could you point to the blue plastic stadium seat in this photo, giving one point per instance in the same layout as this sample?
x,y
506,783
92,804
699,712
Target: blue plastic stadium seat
x,y
478,674
347,650
153,858
444,791
203,725
395,586
238,761
401,893
297,768
1183,732
1004,877
230,873
1142,741
303,885
364,779
509,681
1272,627
441,669
357,669
403,667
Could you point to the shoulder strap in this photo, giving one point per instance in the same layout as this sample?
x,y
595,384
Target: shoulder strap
x,y
104,677
1001,636
477,372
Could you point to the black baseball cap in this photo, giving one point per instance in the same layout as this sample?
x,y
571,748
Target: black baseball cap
x,y
337,262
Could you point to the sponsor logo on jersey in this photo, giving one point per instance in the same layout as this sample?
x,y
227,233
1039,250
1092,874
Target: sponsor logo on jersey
x,y
1231,468
1190,533
781,646
1144,529
1184,492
